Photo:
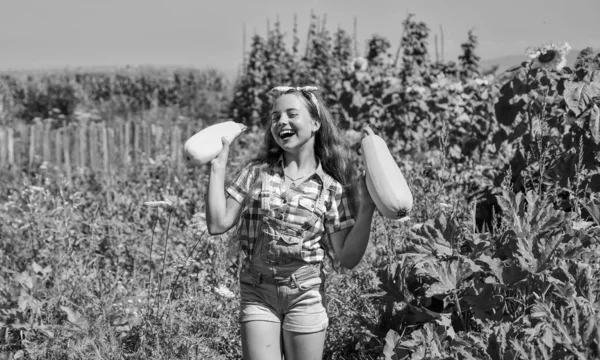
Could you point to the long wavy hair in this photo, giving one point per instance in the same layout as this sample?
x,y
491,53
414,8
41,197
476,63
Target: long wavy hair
x,y
330,146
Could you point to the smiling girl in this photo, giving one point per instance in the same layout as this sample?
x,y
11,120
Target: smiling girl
x,y
292,207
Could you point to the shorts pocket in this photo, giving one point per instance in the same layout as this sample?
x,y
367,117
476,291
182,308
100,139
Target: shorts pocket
x,y
308,284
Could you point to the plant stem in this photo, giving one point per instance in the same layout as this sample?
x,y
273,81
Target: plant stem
x,y
186,259
151,263
162,273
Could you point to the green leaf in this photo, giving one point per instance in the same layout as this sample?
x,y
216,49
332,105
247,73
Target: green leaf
x,y
392,339
427,239
73,316
497,343
443,277
24,279
493,265
445,328
424,343
595,123
593,208
579,95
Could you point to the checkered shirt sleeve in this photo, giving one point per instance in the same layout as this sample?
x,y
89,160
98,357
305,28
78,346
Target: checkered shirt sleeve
x,y
338,216
239,187
247,228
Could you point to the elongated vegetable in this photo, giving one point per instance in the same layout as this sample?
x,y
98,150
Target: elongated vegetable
x,y
206,144
385,181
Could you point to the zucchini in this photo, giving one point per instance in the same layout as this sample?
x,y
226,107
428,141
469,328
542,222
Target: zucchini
x,y
385,182
206,144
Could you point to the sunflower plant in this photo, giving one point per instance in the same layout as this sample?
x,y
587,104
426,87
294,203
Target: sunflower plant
x,y
548,116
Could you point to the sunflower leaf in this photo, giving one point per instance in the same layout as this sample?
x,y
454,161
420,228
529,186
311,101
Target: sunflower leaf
x,y
579,95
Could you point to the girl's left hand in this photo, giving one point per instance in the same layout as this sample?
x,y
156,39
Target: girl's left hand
x,y
364,200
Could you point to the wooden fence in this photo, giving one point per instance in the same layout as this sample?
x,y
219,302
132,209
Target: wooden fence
x,y
96,146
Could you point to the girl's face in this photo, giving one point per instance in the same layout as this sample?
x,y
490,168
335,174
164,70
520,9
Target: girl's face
x,y
292,126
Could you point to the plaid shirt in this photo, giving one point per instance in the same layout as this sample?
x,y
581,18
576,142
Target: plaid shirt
x,y
246,189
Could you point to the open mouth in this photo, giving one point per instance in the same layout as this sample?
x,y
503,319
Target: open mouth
x,y
286,133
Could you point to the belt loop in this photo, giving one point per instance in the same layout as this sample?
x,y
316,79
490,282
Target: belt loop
x,y
294,281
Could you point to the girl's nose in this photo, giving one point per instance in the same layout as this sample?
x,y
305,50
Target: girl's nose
x,y
283,120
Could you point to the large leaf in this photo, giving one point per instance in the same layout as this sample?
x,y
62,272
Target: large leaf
x,y
391,349
498,342
424,343
579,95
443,277
427,239
595,123
493,265
395,278
507,113
593,208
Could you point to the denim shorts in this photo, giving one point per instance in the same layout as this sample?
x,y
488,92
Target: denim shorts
x,y
296,301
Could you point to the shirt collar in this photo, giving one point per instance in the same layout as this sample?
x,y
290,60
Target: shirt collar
x,y
319,171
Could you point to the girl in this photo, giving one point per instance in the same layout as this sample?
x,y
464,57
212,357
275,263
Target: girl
x,y
293,207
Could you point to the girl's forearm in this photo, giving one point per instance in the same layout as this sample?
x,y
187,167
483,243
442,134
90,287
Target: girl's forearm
x,y
357,239
216,205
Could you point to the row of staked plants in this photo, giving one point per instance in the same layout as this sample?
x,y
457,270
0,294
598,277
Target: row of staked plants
x,y
62,95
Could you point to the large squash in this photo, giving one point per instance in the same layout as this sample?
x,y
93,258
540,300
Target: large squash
x,y
206,144
385,181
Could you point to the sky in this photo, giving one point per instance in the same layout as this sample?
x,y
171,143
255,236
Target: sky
x,y
43,34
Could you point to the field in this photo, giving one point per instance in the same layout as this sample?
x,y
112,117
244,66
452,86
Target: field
x,y
498,259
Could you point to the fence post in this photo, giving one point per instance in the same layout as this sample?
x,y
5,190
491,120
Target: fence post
x,y
66,145
128,125
147,140
93,146
158,130
21,148
82,146
46,142
58,147
39,144
107,157
173,144
32,136
135,130
3,147
178,147
11,147
112,158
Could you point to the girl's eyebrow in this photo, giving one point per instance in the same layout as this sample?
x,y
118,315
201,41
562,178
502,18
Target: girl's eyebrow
x,y
288,109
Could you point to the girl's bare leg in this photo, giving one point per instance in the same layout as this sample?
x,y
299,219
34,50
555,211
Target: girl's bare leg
x,y
300,346
261,340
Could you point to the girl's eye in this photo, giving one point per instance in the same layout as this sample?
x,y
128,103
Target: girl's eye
x,y
292,115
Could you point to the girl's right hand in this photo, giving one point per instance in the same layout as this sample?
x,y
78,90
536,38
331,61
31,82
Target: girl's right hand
x,y
220,162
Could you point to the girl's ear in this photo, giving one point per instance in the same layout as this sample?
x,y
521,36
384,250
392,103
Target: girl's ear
x,y
316,125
